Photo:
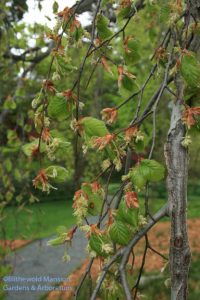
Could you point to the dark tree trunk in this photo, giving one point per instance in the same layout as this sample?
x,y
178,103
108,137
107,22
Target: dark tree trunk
x,y
177,164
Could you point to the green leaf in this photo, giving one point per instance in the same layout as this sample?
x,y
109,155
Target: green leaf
x,y
94,205
57,173
61,230
58,108
93,127
96,241
146,170
120,233
10,104
94,201
128,215
154,170
137,177
133,55
190,70
124,13
57,241
78,33
55,7
128,83
8,164
28,148
102,27
164,12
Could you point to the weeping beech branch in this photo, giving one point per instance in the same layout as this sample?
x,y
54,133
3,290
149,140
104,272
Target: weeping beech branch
x,y
115,240
125,252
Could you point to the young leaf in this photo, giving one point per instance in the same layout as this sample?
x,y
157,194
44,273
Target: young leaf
x,y
93,127
55,7
57,241
120,233
29,148
123,13
146,170
58,108
128,215
96,242
164,12
132,51
190,70
102,28
57,173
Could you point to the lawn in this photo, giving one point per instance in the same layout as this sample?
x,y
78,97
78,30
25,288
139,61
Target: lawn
x,y
41,219
37,220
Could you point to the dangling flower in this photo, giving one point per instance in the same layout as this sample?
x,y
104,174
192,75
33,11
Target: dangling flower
x,y
130,133
107,248
75,24
105,65
35,151
66,257
125,3
46,136
186,141
160,53
80,205
66,13
49,86
110,220
139,137
41,180
54,37
76,126
131,199
94,229
121,72
106,164
70,96
118,164
126,41
189,116
95,186
109,115
101,142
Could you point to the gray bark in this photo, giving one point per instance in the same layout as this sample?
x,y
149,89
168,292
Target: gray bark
x,y
177,164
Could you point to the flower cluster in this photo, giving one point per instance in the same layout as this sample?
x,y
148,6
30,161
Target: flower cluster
x,y
130,133
80,205
109,115
71,98
41,181
131,199
101,142
121,72
49,86
133,133
46,136
189,115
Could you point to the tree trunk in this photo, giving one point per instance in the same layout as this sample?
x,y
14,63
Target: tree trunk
x,y
177,164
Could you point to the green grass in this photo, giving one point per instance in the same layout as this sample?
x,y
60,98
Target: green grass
x,y
193,206
41,219
36,220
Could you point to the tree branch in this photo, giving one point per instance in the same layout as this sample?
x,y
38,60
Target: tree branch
x,y
125,251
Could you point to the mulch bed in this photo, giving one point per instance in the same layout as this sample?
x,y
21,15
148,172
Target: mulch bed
x,y
159,238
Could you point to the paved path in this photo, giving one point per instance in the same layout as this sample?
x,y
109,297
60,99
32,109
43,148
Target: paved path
x,y
39,260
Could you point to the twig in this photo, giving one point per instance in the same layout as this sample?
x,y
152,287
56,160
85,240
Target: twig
x,y
125,251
